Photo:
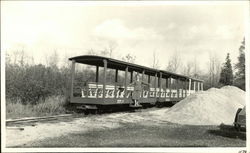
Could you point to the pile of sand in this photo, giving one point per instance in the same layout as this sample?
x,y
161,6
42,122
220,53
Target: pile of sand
x,y
211,107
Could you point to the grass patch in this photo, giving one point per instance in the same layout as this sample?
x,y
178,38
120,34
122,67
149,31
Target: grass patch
x,y
53,105
134,135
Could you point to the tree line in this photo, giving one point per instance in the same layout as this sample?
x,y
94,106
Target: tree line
x,y
218,74
27,82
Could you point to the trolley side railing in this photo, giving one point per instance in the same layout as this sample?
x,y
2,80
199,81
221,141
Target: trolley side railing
x,y
95,90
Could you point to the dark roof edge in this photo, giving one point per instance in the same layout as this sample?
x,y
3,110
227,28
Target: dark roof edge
x,y
132,64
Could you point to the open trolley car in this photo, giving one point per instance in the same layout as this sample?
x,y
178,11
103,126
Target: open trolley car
x,y
104,92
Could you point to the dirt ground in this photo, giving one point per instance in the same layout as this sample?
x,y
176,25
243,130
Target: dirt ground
x,y
145,128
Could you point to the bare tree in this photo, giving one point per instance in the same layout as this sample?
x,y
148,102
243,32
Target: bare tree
x,y
129,58
18,56
196,69
22,56
53,59
65,62
104,52
175,62
108,51
155,63
111,47
91,52
214,70
187,69
7,58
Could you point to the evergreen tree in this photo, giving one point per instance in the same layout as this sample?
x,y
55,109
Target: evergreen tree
x,y
226,75
240,67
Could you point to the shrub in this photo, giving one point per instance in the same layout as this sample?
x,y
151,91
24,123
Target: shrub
x,y
50,106
32,83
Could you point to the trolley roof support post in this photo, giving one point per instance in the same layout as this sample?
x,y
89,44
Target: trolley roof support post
x,y
198,86
201,86
194,85
97,74
131,77
149,85
159,83
97,79
170,87
166,88
72,79
116,80
126,78
155,83
186,88
189,87
116,75
105,63
173,81
182,86
142,78
167,83
148,79
177,88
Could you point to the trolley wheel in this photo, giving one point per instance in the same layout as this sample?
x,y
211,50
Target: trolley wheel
x,y
91,111
95,111
238,128
99,111
86,112
158,105
78,111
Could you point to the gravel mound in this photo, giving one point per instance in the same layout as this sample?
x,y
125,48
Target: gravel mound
x,y
211,107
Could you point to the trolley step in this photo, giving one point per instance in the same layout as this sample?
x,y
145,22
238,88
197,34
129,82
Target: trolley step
x,y
135,106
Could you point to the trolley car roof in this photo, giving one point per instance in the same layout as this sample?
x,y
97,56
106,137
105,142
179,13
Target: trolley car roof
x,y
121,65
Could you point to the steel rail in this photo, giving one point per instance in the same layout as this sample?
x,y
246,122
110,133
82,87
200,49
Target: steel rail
x,y
36,119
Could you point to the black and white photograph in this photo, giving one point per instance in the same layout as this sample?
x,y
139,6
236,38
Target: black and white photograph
x,y
130,76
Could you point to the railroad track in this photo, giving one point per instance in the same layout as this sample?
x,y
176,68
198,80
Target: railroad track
x,y
36,119
10,122
44,118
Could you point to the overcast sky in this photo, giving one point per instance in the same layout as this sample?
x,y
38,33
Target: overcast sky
x,y
72,28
